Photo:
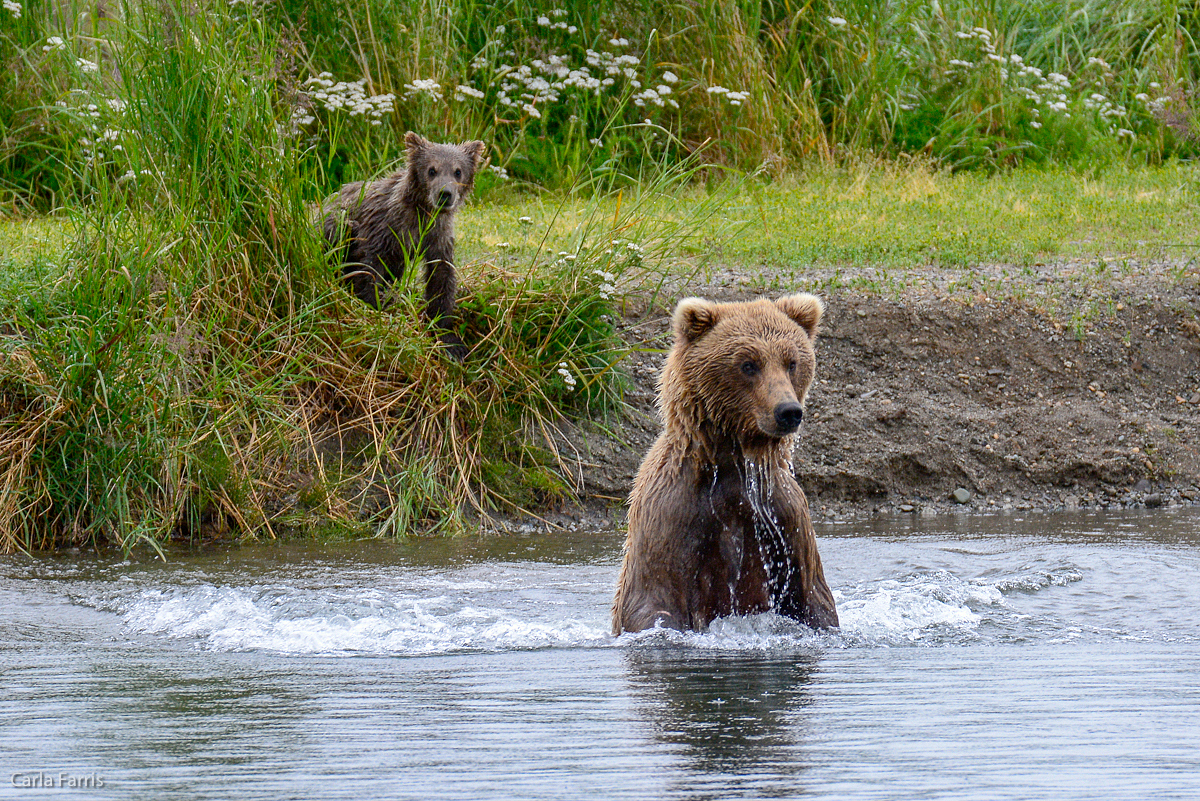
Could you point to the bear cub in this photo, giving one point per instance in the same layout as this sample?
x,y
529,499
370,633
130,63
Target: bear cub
x,y
718,524
383,226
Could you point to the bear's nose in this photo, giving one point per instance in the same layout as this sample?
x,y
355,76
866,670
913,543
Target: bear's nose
x,y
788,417
445,198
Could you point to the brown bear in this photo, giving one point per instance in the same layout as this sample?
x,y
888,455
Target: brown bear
x,y
381,227
718,524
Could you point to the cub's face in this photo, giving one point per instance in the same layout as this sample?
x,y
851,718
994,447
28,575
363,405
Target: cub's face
x,y
747,367
445,173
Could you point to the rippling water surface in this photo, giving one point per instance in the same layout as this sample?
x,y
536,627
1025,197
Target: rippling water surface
x,y
996,657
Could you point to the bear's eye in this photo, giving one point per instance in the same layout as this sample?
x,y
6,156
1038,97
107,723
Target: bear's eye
x,y
792,366
749,368
458,174
432,171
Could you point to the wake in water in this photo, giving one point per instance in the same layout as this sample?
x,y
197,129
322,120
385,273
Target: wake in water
x,y
512,607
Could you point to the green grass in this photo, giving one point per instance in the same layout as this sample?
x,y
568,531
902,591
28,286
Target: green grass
x,y
894,217
972,84
178,360
873,215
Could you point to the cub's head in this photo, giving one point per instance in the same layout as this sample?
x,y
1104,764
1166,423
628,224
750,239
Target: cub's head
x,y
441,175
743,368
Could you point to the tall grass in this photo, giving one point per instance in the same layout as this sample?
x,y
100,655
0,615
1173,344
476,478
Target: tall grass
x,y
193,367
564,90
190,366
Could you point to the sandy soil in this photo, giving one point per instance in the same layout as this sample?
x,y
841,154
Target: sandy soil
x,y
1047,387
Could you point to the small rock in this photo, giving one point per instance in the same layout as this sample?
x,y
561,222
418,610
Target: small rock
x,y
1071,501
1195,398
1141,486
1153,500
961,495
906,507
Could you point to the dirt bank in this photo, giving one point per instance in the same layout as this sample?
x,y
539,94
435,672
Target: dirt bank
x,y
1072,384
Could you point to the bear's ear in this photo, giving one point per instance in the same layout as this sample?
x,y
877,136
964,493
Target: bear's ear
x,y
474,150
693,318
414,143
804,309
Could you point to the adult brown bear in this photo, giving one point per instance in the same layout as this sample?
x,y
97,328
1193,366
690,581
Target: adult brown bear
x,y
717,523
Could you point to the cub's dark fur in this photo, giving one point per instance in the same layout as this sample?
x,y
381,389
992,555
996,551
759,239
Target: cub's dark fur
x,y
385,225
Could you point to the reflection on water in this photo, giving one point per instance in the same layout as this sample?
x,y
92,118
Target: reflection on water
x,y
1005,657
733,716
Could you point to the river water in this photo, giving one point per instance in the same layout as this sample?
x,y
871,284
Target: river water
x,y
1002,657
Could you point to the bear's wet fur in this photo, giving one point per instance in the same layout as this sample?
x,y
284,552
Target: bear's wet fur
x,y
718,524
381,227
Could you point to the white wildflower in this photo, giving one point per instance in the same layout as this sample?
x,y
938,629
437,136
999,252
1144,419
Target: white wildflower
x,y
420,86
500,30
525,220
462,92
13,7
1123,133
544,22
567,378
1142,96
1035,124
54,43
670,77
958,62
836,22
86,66
717,90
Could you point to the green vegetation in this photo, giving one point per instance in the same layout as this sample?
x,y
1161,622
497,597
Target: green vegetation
x,y
178,360
573,93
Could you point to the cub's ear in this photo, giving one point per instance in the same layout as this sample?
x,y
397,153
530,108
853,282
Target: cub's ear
x,y
414,143
693,318
474,150
804,309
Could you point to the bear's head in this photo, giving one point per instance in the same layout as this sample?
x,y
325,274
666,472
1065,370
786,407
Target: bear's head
x,y
440,175
740,370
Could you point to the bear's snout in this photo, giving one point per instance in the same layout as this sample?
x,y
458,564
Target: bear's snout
x,y
788,417
445,198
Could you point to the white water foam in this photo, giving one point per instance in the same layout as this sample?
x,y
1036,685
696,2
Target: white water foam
x,y
289,619
935,607
504,608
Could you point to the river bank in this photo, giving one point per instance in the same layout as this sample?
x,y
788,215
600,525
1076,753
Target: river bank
x,y
1066,385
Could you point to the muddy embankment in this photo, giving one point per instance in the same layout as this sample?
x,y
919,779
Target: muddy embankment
x,y
1039,388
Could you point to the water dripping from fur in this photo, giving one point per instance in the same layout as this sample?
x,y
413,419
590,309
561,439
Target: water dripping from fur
x,y
759,484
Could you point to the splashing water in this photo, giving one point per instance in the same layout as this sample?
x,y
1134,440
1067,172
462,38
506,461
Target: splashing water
x,y
773,545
